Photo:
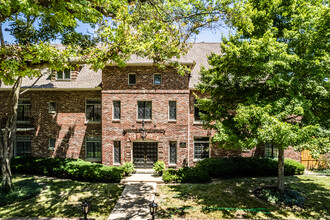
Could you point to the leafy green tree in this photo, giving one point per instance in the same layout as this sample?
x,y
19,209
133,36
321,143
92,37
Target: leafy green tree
x,y
155,29
271,82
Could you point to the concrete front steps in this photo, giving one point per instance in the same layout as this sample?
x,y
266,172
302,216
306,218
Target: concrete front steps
x,y
142,176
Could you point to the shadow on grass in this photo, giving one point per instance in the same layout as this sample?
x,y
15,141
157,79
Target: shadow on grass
x,y
63,198
236,195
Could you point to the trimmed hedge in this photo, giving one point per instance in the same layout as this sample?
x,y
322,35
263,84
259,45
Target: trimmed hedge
x,y
231,167
67,168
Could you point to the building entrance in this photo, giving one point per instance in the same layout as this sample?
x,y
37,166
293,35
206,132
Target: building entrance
x,y
145,154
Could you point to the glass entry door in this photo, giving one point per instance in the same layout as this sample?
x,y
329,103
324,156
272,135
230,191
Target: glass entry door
x,y
144,154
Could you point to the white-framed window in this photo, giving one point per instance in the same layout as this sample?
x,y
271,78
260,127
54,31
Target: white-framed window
x,y
173,152
172,110
51,143
144,110
157,79
23,111
93,110
131,79
116,110
197,112
117,152
23,146
63,74
51,107
93,148
271,151
201,147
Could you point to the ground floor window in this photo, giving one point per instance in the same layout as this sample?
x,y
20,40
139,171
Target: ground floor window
x,y
93,148
173,152
23,146
201,147
271,151
116,152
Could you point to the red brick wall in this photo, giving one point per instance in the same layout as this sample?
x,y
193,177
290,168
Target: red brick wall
x,y
67,125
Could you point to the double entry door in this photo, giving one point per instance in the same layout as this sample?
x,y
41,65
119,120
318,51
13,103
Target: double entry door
x,y
145,154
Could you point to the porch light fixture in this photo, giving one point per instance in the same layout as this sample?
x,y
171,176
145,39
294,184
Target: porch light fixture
x,y
153,209
143,131
85,209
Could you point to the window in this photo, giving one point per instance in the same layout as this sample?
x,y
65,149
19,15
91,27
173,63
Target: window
x,y
63,74
198,111
201,147
23,111
23,146
172,110
157,79
93,110
271,151
51,107
144,109
93,148
51,143
172,152
116,109
131,79
116,152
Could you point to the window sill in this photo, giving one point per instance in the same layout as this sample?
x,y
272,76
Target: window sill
x,y
93,159
116,164
51,149
23,122
198,122
92,122
66,80
145,120
52,112
172,165
171,121
115,120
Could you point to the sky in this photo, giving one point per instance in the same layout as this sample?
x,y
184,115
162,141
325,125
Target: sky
x,y
204,36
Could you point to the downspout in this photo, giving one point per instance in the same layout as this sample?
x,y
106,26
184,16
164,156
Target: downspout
x,y
189,127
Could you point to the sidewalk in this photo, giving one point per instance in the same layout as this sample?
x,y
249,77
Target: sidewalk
x,y
134,201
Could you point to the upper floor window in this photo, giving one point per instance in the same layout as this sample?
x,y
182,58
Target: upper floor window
x,y
116,110
23,146
157,79
63,74
271,151
131,79
172,110
51,107
93,148
23,111
93,110
201,147
197,111
144,109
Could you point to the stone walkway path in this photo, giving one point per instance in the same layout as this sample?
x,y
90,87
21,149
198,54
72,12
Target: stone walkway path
x,y
134,201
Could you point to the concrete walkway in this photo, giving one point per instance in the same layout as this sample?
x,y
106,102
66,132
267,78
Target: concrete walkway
x,y
134,201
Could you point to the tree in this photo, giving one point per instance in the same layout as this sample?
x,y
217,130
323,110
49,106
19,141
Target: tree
x,y
271,82
155,29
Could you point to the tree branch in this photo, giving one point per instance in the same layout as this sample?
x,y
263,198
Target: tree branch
x,y
27,89
1,36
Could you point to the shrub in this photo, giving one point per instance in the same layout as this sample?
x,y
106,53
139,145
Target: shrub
x,y
159,167
23,190
128,168
170,175
193,175
247,166
67,168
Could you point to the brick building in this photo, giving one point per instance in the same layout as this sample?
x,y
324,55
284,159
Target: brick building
x,y
139,113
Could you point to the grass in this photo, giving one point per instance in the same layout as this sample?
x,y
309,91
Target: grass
x,y
62,198
190,200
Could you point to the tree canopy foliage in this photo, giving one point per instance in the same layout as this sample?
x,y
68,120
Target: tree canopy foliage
x,y
271,82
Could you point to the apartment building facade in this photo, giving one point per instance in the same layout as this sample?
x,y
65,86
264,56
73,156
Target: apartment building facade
x,y
138,113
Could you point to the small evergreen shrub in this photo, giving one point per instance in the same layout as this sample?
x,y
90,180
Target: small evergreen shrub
x,y
159,167
23,190
67,168
128,168
292,167
170,175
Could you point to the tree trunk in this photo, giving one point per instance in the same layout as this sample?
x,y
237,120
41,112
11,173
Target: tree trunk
x,y
7,136
280,176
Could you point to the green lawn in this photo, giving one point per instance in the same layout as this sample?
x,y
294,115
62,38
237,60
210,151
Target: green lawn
x,y
190,200
62,198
